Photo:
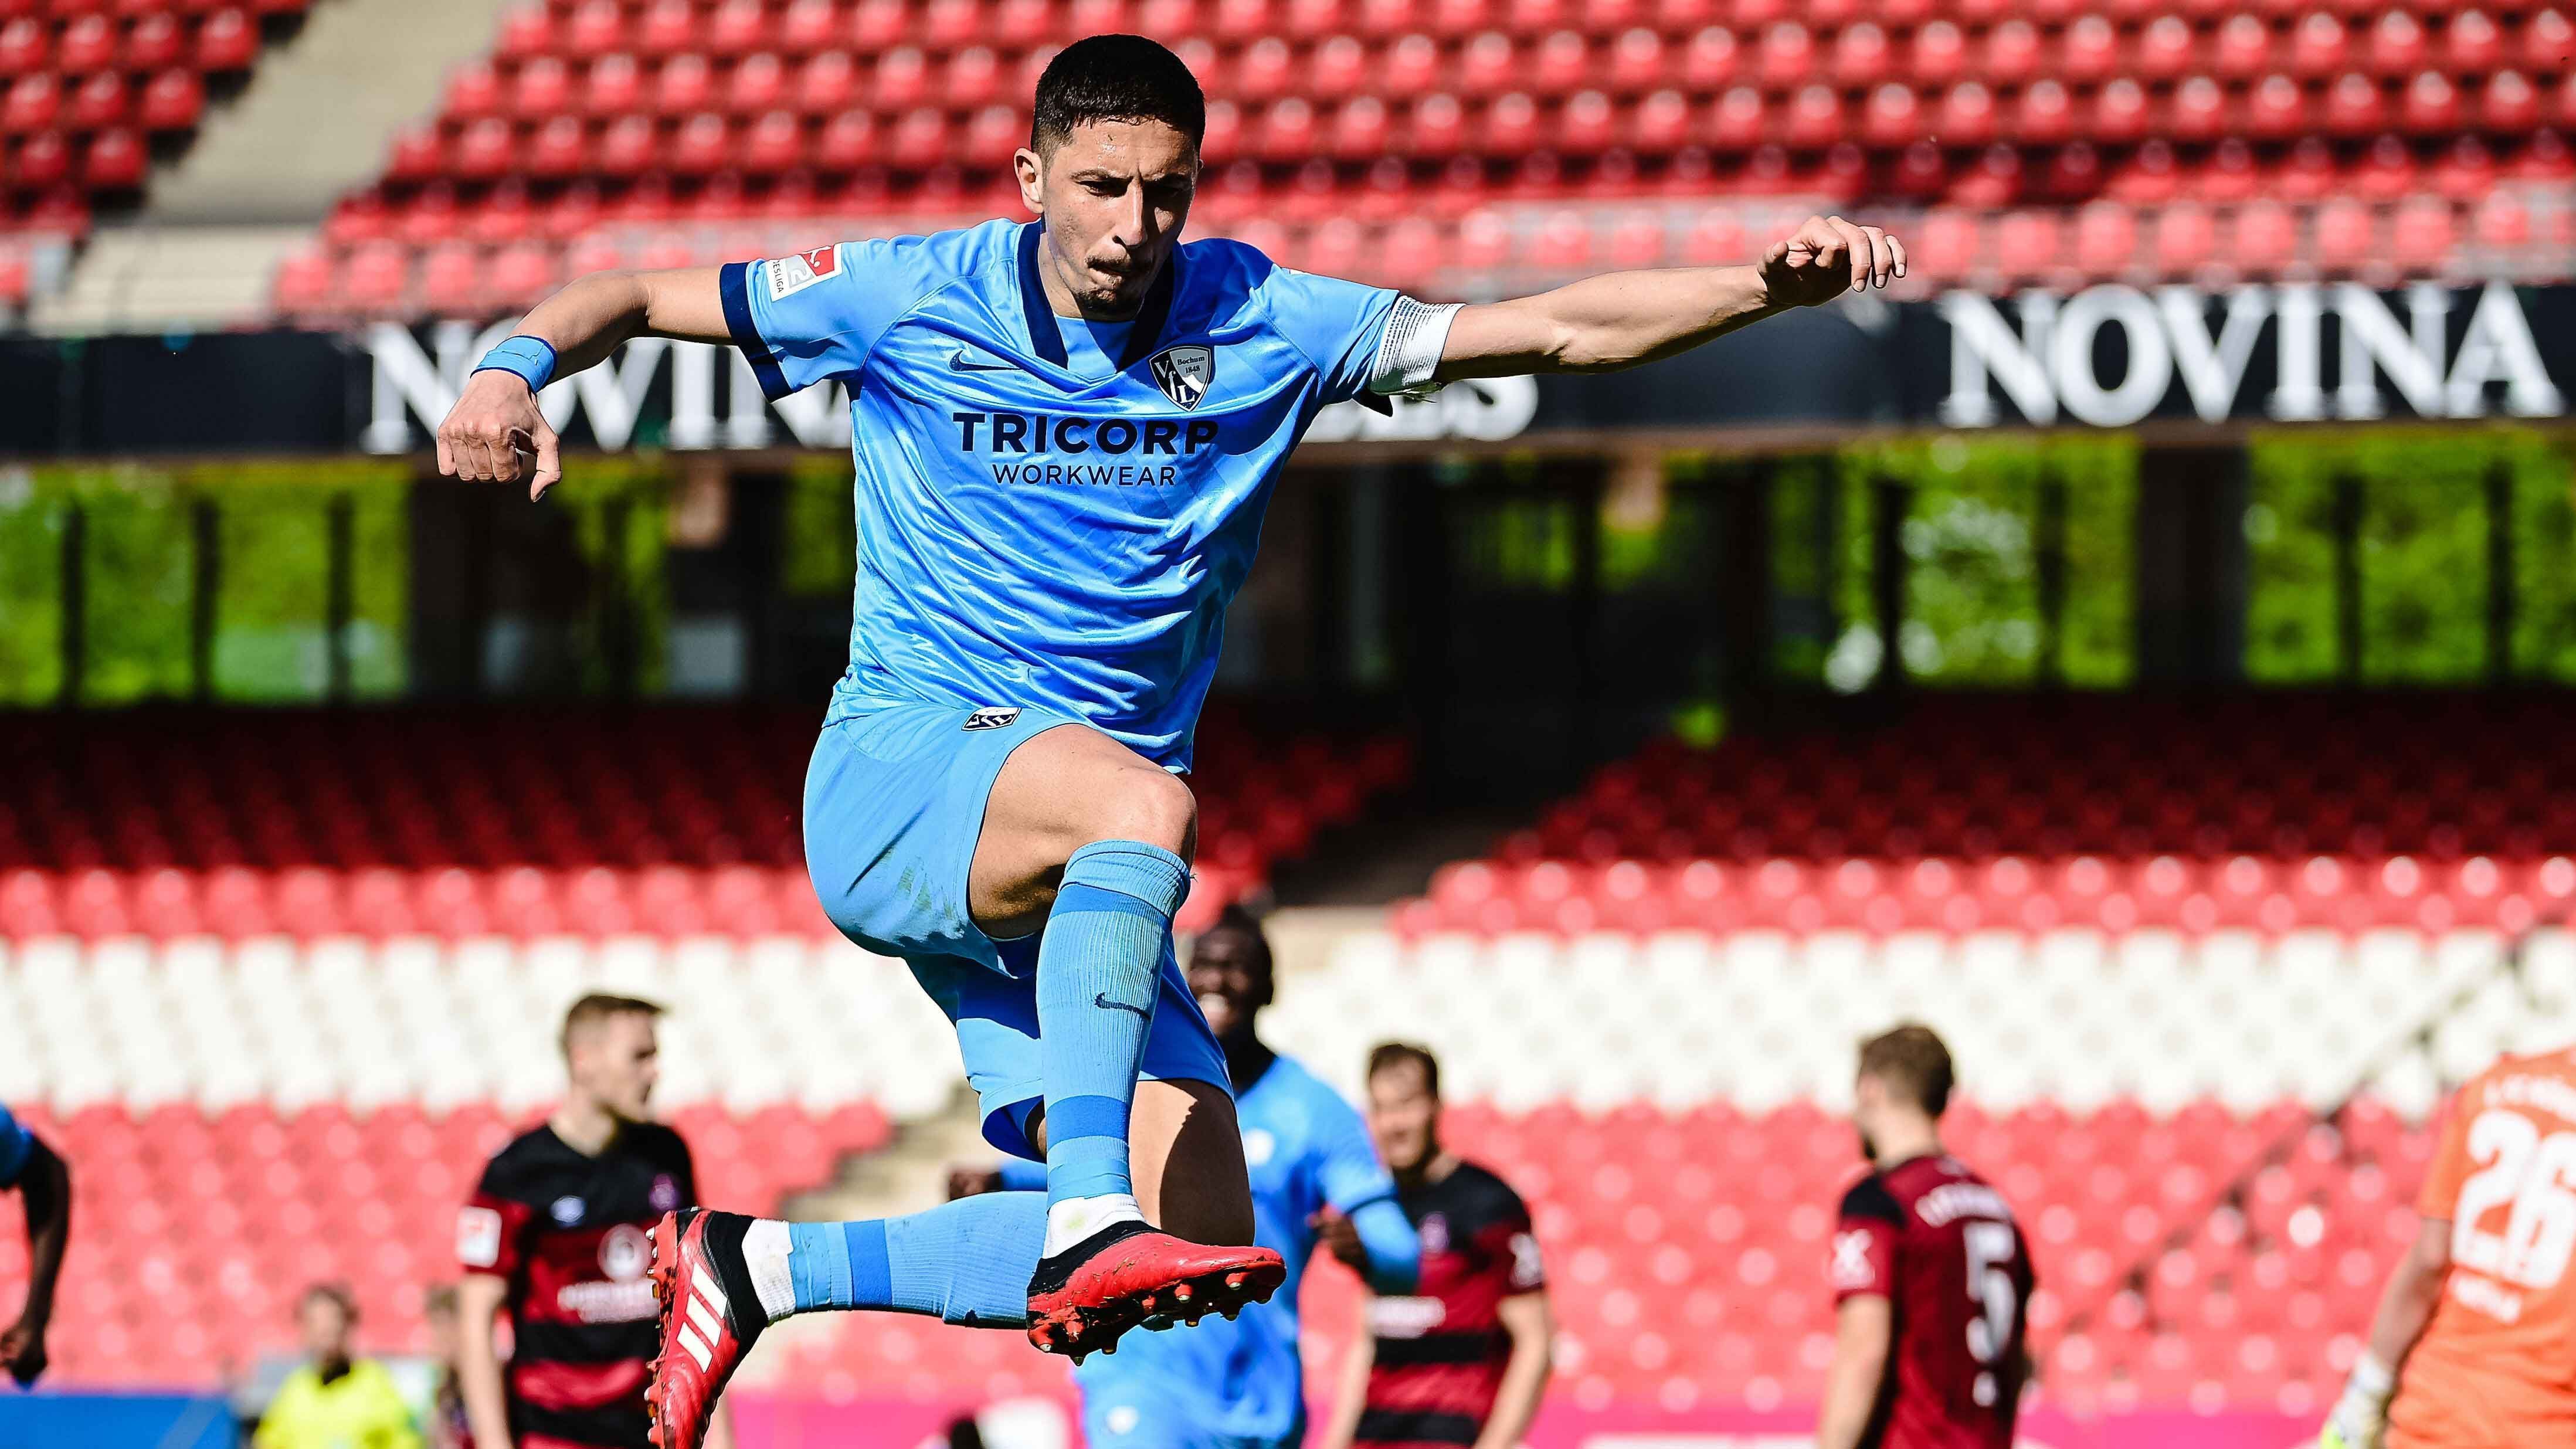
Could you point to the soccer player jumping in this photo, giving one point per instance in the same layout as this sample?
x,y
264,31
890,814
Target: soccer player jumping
x,y
1065,434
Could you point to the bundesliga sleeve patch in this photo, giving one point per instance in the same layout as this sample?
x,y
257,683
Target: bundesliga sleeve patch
x,y
790,275
478,1237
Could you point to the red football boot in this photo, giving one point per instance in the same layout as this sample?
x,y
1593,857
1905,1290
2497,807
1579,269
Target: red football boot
x,y
711,1316
1083,1299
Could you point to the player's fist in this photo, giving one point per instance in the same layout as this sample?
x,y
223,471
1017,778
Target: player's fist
x,y
493,422
1826,257
22,1352
1340,1238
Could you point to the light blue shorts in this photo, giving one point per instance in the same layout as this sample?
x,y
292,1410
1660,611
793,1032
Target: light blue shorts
x,y
1136,1413
894,802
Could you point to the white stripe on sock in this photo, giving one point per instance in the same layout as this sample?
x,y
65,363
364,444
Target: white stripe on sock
x,y
766,1248
1076,1218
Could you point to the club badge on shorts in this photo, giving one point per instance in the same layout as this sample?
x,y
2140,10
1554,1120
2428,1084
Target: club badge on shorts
x,y
1184,373
993,719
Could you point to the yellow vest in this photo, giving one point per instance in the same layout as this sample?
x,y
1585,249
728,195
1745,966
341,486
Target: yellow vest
x,y
361,1409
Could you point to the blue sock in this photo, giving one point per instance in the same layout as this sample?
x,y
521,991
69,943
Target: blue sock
x,y
967,1261
1096,988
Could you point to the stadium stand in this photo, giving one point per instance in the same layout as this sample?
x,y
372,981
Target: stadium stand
x,y
86,88
2177,1120
1466,147
2212,1116
666,821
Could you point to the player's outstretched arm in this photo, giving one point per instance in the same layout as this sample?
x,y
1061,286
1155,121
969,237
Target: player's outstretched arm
x,y
2360,1416
1620,319
496,418
45,1187
1864,1324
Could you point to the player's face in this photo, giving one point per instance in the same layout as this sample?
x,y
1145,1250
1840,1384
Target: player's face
x,y
1114,195
325,1330
1869,1097
619,1064
1231,979
1403,1117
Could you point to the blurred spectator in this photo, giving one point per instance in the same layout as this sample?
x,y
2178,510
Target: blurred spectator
x,y
335,1401
447,1428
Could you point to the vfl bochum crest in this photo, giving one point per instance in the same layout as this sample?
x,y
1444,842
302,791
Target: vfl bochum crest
x,y
1183,373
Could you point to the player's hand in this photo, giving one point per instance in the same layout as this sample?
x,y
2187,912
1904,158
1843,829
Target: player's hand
x,y
1339,1238
2360,1417
973,1181
1826,257
493,422
22,1352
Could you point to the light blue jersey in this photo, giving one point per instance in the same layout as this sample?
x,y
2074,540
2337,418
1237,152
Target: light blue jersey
x,y
1054,513
16,1142
1242,1381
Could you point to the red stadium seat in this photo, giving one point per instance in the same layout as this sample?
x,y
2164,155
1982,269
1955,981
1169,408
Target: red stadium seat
x,y
2199,111
684,86
2012,53
2044,115
26,47
2354,106
597,27
2265,238
2472,43
2397,44
2166,48
116,161
2091,51
542,87
1861,56
757,83
86,45
1788,54
2244,48
2186,239
2275,108
2345,235
1711,60
101,102
2423,234
667,28
2318,46
174,100
226,41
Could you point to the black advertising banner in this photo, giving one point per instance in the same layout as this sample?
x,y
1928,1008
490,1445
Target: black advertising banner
x,y
2108,356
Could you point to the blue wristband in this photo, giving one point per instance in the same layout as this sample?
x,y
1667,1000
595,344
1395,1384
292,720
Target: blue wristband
x,y
531,359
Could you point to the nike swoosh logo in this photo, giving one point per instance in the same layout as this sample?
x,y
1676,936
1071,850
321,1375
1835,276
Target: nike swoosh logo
x,y
1101,998
957,363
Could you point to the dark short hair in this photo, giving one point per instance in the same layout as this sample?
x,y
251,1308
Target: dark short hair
x,y
1388,1055
597,1007
1911,1059
1237,917
1115,78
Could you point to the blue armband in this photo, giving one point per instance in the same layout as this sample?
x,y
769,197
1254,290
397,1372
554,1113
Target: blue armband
x,y
531,359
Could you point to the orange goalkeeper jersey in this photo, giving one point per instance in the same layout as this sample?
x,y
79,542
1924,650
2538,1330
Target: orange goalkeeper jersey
x,y
2496,1367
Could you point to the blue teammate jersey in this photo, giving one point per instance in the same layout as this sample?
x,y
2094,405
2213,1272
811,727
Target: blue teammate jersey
x,y
1051,512
15,1143
1305,1148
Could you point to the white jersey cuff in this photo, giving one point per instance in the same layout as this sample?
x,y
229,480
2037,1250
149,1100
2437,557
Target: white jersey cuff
x,y
1409,351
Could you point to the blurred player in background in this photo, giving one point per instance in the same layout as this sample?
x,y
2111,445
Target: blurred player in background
x,y
559,1233
335,1400
1315,1179
1065,432
448,1427
1929,1270
2476,1331
44,1184
1465,1358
